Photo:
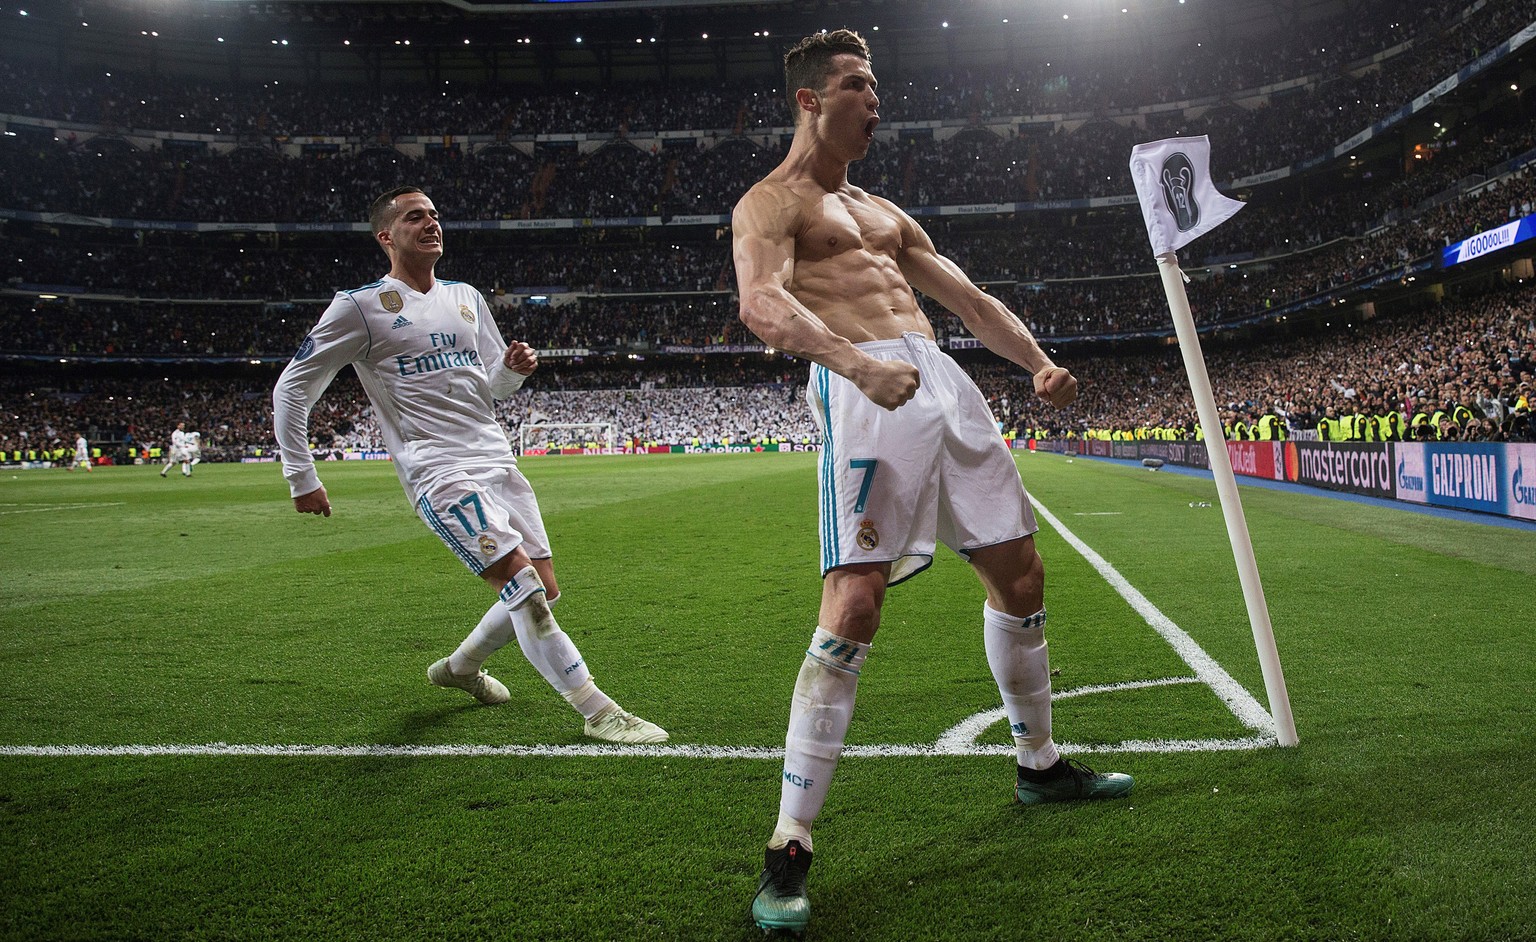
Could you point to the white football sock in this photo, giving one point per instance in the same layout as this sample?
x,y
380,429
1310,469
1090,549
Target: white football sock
x,y
1016,651
818,723
551,650
491,635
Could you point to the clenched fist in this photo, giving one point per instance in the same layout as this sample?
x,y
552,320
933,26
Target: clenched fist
x,y
1056,385
520,358
889,383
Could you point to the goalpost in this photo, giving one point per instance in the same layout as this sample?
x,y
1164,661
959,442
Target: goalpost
x,y
601,432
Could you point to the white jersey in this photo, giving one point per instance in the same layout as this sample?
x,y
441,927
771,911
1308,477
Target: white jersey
x,y
82,449
192,444
178,443
431,365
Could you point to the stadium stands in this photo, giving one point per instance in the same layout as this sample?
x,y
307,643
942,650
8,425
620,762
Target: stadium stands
x,y
645,311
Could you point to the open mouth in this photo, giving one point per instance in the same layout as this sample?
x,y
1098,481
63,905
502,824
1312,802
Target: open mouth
x,y
869,127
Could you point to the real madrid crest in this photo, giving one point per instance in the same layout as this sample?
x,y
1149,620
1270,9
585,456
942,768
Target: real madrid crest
x,y
391,301
466,313
487,545
869,537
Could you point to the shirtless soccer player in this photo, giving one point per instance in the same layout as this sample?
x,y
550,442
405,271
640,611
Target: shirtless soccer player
x,y
910,451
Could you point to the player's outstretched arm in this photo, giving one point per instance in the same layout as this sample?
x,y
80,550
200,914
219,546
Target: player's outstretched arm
x,y
338,339
987,318
763,244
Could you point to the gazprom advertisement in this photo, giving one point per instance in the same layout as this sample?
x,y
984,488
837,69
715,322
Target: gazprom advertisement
x,y
1520,479
1489,241
1492,478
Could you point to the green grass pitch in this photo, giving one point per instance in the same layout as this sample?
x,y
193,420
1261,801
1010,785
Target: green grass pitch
x,y
175,613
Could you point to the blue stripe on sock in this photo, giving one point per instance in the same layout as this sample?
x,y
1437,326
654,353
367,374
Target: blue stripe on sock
x,y
831,663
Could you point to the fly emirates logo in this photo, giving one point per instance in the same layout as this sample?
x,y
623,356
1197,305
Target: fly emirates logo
x,y
443,355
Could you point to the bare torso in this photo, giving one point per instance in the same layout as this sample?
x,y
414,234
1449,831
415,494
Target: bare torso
x,y
846,270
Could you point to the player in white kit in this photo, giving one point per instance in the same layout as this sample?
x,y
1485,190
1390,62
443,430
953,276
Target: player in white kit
x,y
910,451
192,446
82,454
432,360
177,453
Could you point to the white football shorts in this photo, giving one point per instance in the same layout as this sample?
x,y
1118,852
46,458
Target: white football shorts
x,y
483,515
893,481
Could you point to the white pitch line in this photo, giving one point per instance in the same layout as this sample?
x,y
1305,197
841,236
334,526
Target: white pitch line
x,y
961,738
1233,694
873,751
52,507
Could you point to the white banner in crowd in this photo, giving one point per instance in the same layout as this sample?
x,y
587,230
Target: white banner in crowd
x,y
1179,203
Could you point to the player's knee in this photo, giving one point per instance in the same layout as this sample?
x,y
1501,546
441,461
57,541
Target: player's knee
x,y
1020,588
855,615
533,618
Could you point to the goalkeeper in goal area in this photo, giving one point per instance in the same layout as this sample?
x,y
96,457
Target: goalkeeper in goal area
x,y
432,360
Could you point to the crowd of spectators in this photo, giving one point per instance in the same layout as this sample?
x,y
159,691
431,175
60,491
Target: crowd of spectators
x,y
103,177
264,272
1114,71
111,178
1454,353
1472,358
1068,274
681,292
40,409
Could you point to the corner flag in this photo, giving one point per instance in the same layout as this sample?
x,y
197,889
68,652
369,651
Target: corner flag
x,y
1179,203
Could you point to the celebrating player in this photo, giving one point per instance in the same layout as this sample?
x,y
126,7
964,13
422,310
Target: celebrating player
x,y
432,360
910,450
82,453
193,446
178,452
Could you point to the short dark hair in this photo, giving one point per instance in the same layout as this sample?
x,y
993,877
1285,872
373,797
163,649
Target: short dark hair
x,y
808,63
382,211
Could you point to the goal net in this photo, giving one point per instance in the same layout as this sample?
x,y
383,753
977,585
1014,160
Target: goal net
x,y
547,435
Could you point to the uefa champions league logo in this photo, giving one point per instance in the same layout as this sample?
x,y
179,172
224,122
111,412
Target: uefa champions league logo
x,y
1178,178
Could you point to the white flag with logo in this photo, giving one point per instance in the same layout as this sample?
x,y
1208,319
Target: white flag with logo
x,y
1179,203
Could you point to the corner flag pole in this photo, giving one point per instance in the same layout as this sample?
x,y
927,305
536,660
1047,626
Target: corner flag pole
x,y
1231,502
1179,204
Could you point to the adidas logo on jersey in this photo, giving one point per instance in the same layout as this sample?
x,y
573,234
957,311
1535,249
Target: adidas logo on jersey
x,y
399,323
